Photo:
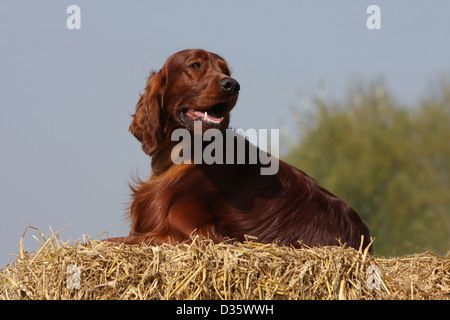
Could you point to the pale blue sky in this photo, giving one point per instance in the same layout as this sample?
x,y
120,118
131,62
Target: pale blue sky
x,y
66,95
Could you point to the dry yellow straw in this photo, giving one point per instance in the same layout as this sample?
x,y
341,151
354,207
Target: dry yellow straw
x,y
200,269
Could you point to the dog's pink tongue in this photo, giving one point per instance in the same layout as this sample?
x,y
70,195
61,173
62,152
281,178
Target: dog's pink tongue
x,y
204,116
207,117
191,114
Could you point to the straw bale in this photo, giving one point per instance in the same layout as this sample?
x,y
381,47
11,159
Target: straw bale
x,y
200,269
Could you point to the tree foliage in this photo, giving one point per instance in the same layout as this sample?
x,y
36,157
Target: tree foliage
x,y
390,163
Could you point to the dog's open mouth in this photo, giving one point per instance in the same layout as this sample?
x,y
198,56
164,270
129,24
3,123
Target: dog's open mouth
x,y
212,116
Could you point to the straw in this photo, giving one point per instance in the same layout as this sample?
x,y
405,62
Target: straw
x,y
199,269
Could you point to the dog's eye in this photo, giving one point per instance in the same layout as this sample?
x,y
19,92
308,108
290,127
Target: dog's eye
x,y
195,65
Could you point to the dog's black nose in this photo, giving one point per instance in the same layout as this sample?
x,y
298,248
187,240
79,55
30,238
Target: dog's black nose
x,y
230,86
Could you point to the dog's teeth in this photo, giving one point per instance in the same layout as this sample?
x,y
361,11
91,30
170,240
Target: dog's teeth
x,y
204,116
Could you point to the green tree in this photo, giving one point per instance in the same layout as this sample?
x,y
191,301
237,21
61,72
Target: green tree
x,y
391,164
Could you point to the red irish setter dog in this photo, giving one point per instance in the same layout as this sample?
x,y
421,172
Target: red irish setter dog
x,y
216,200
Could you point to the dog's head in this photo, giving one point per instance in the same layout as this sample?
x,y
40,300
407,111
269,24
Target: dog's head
x,y
192,85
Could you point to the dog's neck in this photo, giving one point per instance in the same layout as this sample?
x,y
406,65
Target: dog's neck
x,y
161,158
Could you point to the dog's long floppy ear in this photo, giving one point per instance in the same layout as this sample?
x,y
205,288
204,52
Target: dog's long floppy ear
x,y
146,125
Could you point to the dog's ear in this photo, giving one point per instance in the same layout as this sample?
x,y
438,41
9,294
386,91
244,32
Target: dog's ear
x,y
147,123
